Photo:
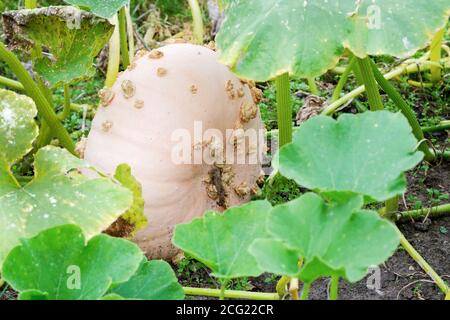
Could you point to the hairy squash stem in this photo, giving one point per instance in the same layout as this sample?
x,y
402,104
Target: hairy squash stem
x,y
230,294
407,68
284,109
67,108
423,264
123,38
30,4
130,30
45,134
43,106
442,126
425,212
405,109
305,291
312,86
343,80
113,54
435,55
293,288
12,84
334,286
372,91
281,286
197,20
223,286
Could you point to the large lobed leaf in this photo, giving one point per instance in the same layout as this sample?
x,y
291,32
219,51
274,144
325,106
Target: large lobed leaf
x,y
221,241
336,238
58,195
101,8
365,154
17,126
72,37
57,264
263,39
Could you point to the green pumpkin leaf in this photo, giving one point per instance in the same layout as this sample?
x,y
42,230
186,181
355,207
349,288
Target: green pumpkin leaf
x,y
58,263
155,280
17,126
365,154
263,39
57,195
337,238
32,295
101,8
134,219
72,37
221,241
260,40
397,28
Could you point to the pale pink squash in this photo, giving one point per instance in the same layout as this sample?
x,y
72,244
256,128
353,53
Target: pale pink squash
x,y
163,91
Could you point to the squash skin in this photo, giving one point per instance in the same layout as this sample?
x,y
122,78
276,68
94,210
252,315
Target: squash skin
x,y
185,85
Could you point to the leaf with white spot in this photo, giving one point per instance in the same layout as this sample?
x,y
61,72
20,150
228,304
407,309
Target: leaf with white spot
x,y
17,126
58,264
59,194
335,238
365,154
71,38
260,40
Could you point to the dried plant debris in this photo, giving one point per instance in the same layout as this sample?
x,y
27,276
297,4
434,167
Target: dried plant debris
x,y
312,106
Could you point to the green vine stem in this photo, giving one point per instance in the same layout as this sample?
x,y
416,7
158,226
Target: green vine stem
x,y
372,91
230,294
407,68
113,55
442,126
313,86
425,212
423,264
67,108
12,84
305,291
284,109
2,283
334,288
223,287
197,20
435,55
30,4
123,38
43,106
130,30
405,109
45,134
281,286
293,288
343,80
